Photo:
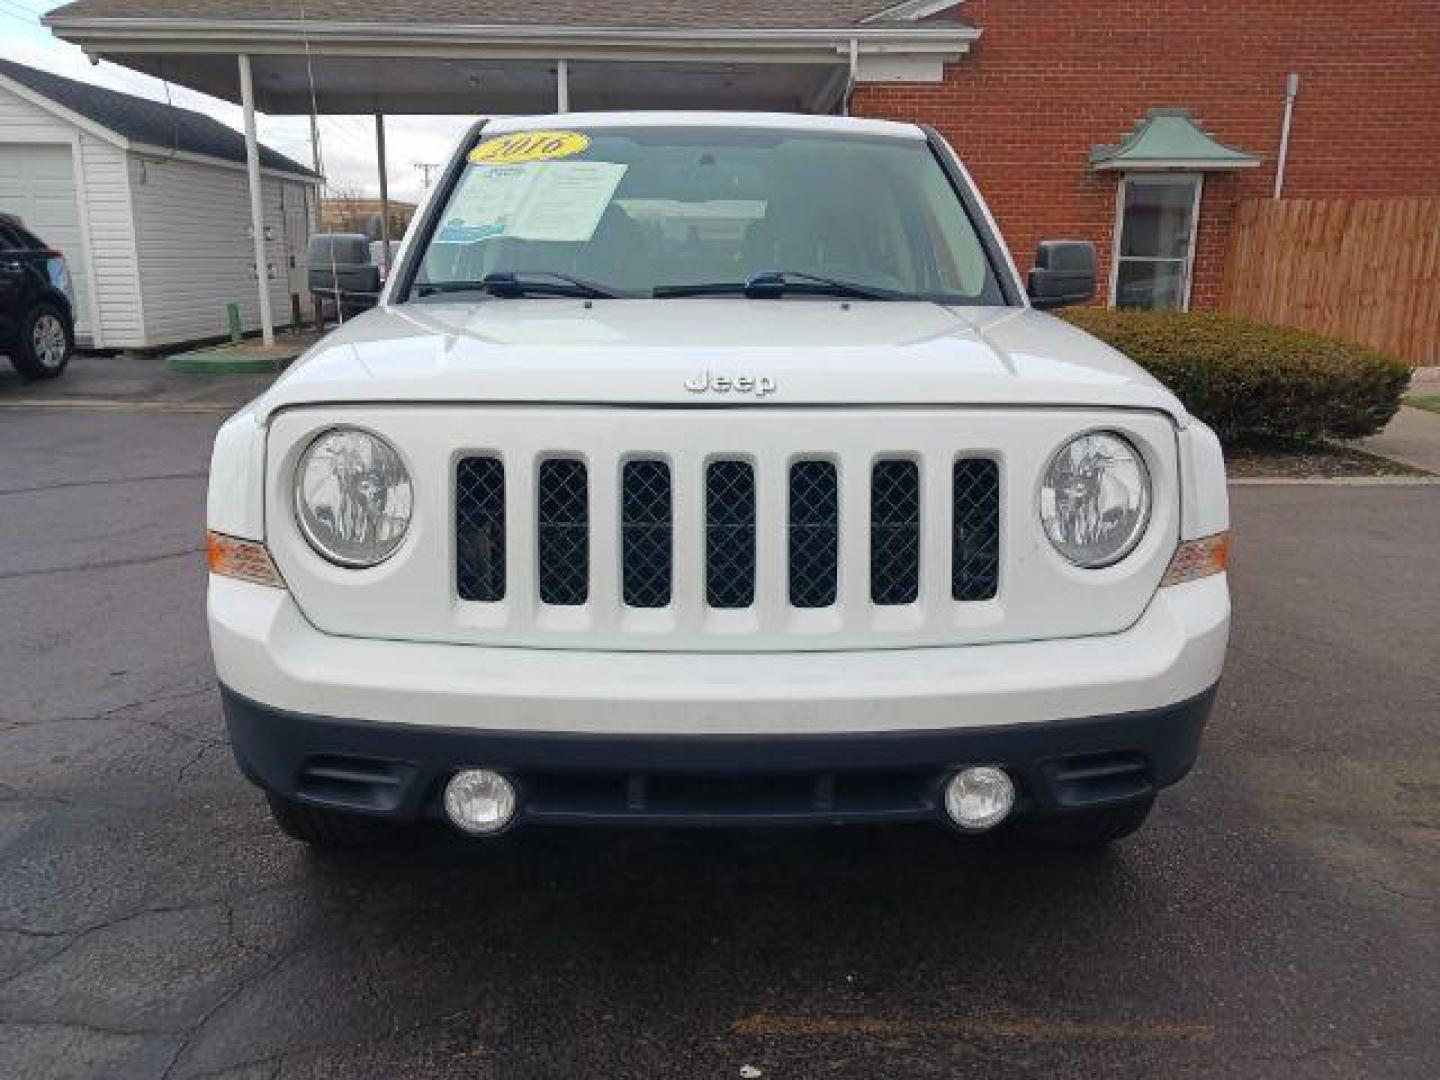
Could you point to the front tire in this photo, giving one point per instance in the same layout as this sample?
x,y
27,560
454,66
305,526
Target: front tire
x,y
330,829
1093,829
46,343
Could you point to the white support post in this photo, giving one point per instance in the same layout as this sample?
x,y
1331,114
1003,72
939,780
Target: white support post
x,y
562,86
257,202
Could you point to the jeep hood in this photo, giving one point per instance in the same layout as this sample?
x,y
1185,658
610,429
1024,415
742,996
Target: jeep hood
x,y
643,352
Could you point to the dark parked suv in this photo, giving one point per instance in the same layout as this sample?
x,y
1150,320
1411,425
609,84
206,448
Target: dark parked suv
x,y
37,321
344,271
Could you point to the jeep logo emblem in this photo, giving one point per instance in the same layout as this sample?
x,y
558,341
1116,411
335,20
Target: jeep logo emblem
x,y
759,385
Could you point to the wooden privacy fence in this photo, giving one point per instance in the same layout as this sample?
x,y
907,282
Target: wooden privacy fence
x,y
1367,270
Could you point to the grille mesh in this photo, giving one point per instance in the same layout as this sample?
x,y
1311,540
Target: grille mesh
x,y
975,545
894,533
730,534
646,528
563,529
480,528
814,534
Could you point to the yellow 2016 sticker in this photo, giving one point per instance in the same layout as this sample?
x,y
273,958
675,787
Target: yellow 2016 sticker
x,y
525,146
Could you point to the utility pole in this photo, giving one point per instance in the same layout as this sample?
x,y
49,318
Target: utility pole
x,y
426,168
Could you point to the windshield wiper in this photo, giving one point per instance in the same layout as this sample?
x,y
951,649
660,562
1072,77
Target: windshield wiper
x,y
516,283
776,283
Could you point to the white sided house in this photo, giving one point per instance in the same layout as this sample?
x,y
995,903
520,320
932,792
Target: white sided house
x,y
150,206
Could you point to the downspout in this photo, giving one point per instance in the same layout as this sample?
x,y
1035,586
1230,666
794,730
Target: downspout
x,y
1292,88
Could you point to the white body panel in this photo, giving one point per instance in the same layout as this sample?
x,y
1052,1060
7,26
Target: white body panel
x,y
265,650
641,352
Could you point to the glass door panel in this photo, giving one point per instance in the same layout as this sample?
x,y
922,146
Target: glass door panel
x,y
1154,248
1150,283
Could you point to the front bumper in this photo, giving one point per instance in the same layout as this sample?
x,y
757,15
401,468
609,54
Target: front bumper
x,y
398,771
377,726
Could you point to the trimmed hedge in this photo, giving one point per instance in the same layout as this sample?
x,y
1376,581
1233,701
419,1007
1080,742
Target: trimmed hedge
x,y
1255,383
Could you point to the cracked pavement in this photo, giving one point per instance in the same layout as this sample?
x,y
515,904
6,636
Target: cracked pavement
x,y
1278,917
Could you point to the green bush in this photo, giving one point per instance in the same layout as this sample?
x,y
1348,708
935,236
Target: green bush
x,y
1255,383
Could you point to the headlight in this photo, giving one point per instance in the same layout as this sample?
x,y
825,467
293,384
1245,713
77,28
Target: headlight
x,y
1095,502
352,497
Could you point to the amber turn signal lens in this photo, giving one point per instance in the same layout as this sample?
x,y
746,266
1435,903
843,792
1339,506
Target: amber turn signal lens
x,y
246,560
1195,559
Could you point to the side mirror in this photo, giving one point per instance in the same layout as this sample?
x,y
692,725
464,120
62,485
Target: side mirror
x,y
1064,273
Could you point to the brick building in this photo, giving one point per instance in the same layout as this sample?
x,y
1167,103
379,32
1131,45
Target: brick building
x,y
1047,81
1140,126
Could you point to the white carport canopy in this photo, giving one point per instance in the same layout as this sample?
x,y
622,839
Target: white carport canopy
x,y
486,57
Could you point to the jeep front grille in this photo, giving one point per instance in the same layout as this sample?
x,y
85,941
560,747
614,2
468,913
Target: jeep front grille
x,y
975,548
480,529
647,555
647,525
894,533
730,534
814,557
563,527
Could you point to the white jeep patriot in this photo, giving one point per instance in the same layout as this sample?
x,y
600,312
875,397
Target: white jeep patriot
x,y
715,469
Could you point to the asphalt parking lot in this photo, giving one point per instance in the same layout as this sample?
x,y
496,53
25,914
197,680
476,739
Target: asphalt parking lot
x,y
1278,918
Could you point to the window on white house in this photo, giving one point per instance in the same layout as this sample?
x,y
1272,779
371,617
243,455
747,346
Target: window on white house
x,y
1155,241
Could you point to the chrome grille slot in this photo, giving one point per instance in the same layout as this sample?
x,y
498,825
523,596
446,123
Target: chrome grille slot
x,y
563,532
975,548
480,529
730,534
814,534
894,533
647,529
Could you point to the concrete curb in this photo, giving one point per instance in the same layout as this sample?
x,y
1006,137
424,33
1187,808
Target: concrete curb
x,y
218,363
1335,481
116,405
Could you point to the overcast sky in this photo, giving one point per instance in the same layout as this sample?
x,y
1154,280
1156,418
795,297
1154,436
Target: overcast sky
x,y
347,142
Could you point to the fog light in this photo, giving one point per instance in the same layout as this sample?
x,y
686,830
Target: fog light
x,y
479,801
979,797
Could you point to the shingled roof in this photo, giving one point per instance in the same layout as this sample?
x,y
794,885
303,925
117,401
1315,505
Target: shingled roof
x,y
753,14
151,123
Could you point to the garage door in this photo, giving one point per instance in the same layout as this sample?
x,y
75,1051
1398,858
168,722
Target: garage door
x,y
38,183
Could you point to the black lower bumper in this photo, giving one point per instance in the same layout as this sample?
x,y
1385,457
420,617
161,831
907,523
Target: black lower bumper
x,y
397,771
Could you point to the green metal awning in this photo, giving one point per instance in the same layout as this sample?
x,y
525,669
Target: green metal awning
x,y
1169,139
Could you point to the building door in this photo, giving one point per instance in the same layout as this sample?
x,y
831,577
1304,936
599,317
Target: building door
x,y
1155,219
295,217
37,183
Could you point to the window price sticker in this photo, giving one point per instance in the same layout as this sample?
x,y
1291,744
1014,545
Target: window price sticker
x,y
559,203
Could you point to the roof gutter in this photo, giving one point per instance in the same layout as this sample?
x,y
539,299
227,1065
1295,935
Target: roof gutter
x,y
151,34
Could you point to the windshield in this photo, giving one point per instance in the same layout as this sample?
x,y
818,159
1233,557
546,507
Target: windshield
x,y
642,212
